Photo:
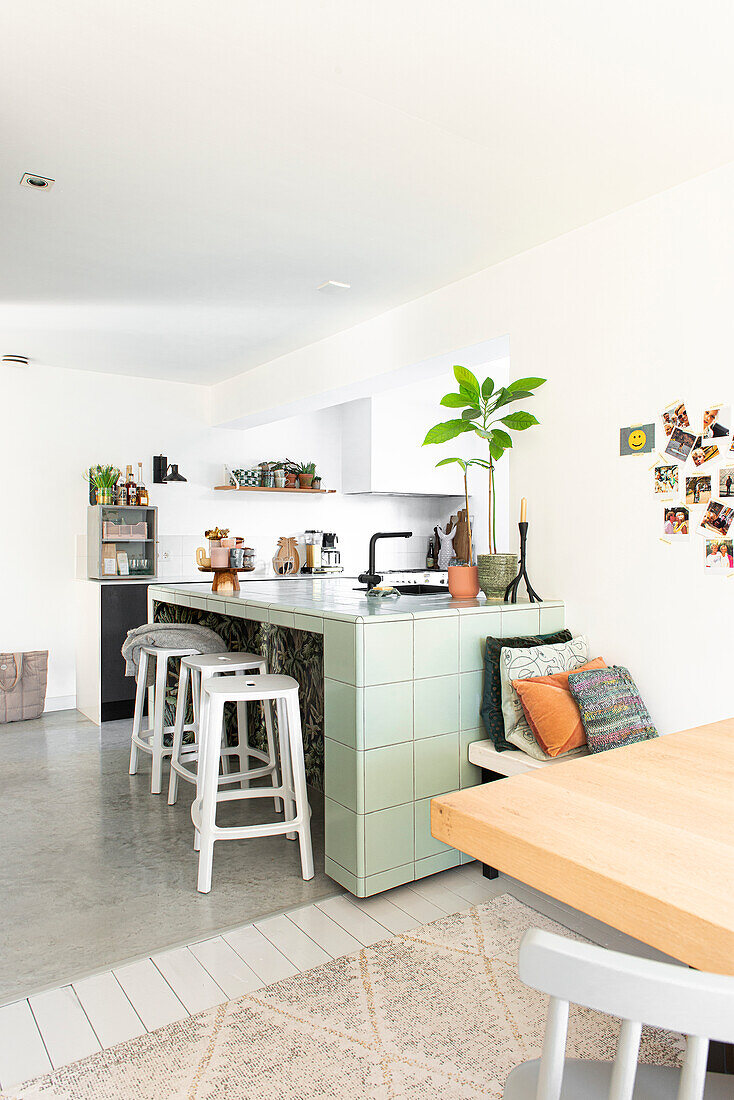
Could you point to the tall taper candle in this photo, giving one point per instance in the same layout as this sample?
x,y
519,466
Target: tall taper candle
x,y
523,510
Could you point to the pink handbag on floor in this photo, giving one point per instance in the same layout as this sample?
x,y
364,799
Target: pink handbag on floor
x,y
22,685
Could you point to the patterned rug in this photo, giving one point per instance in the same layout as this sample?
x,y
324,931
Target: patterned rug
x,y
436,1012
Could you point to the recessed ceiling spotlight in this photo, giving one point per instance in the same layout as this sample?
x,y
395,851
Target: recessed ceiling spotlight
x,y
16,360
334,284
37,183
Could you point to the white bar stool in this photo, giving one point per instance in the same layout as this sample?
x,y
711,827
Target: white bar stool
x,y
151,740
283,691
194,671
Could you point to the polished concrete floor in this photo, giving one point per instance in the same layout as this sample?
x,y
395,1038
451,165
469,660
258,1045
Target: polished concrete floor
x,y
96,871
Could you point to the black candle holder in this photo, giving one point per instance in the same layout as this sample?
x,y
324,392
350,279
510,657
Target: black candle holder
x,y
511,590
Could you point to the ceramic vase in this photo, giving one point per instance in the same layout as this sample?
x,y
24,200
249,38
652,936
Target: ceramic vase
x,y
463,582
495,573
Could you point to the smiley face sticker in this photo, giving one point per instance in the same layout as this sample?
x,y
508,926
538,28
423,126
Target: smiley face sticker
x,y
639,439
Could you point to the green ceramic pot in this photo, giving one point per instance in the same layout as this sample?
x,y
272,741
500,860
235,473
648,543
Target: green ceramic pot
x,y
495,573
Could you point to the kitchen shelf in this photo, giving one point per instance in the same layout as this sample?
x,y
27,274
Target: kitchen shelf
x,y
266,489
120,539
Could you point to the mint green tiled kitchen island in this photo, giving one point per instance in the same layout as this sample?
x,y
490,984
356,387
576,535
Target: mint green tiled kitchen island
x,y
402,686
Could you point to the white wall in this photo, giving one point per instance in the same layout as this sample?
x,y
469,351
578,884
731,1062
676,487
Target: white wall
x,y
623,316
54,423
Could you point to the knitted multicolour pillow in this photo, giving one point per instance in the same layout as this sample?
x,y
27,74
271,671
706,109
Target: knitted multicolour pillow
x,y
611,709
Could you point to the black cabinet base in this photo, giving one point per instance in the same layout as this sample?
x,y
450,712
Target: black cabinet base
x,y
120,708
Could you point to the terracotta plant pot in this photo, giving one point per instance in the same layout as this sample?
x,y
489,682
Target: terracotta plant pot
x,y
290,480
495,573
463,581
304,480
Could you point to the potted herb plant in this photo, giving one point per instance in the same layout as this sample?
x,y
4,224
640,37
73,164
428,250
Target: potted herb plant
x,y
103,479
483,412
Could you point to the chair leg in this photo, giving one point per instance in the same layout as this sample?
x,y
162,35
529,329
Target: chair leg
x,y
299,786
272,754
209,760
138,713
156,777
151,705
289,806
178,731
243,740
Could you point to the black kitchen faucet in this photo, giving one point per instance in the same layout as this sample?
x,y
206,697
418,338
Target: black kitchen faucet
x,y
370,578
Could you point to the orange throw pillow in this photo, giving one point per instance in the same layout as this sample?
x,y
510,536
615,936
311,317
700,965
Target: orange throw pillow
x,y
551,710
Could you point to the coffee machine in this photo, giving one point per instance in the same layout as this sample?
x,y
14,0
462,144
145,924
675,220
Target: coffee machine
x,y
330,556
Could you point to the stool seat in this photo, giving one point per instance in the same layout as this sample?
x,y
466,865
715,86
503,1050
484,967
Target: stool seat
x,y
151,740
269,690
227,662
207,668
242,688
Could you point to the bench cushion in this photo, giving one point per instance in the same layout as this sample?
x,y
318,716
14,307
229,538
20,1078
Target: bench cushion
x,y
491,709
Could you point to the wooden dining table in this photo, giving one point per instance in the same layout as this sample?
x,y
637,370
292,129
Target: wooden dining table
x,y
640,837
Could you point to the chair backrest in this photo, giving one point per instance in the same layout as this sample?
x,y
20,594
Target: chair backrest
x,y
639,991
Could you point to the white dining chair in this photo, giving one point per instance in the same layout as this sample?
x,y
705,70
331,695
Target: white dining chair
x,y
639,991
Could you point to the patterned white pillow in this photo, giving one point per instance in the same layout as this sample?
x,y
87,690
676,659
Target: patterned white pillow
x,y
522,664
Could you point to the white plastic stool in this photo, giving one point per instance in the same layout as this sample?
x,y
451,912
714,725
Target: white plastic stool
x,y
194,671
283,691
151,740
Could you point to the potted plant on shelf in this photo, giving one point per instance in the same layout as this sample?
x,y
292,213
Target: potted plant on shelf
x,y
305,471
482,412
103,479
291,474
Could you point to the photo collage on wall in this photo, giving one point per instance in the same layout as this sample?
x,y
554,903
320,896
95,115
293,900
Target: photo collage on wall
x,y
696,493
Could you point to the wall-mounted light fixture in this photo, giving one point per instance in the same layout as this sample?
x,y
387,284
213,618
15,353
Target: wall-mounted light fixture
x,y
163,473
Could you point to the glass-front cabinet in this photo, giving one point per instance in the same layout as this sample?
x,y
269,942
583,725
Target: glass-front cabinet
x,y
122,541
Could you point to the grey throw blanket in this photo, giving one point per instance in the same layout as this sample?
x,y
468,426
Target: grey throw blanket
x,y
167,636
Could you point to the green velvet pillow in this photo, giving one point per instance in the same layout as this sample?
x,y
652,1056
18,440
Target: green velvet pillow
x,y
491,709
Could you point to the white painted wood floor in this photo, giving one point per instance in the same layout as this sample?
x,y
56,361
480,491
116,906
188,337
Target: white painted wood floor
x,y
51,1029
57,1027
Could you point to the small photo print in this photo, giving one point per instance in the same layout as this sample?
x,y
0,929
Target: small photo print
x,y
718,556
717,518
666,481
680,444
675,416
726,481
703,452
698,489
676,521
716,422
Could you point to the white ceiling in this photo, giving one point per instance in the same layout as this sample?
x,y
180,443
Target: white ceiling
x,y
216,161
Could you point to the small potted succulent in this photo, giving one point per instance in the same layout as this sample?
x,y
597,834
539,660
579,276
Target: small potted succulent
x,y
316,483
103,479
305,471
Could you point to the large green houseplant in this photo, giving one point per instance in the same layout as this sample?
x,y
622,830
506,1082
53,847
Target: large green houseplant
x,y
485,413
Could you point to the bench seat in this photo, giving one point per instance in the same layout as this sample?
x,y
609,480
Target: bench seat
x,y
510,762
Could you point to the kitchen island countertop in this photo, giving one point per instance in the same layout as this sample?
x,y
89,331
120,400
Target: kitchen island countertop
x,y
331,597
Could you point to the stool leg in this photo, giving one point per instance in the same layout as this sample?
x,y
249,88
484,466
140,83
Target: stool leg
x,y
203,708
289,806
272,755
178,731
151,705
295,738
243,740
156,777
209,761
138,713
